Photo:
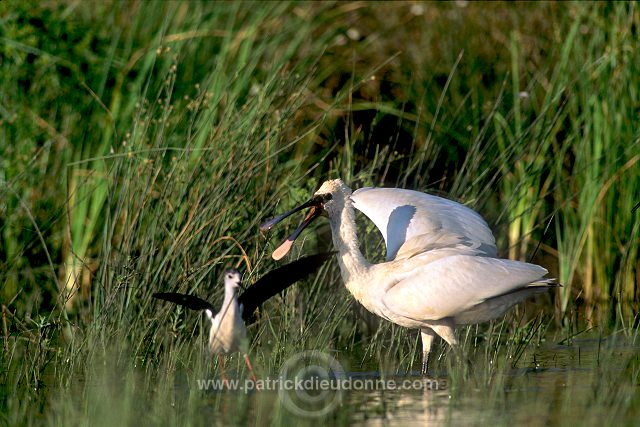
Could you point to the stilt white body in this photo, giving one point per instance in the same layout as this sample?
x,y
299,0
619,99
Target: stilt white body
x,y
228,332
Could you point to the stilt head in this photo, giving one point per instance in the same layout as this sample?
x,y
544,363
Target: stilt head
x,y
232,279
329,200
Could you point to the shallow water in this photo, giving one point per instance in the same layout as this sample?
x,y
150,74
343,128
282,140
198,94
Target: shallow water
x,y
591,381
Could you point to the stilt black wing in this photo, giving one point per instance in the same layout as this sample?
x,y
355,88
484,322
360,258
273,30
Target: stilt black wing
x,y
185,300
278,280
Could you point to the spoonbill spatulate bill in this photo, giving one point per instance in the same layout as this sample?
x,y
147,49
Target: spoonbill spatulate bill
x,y
228,333
441,267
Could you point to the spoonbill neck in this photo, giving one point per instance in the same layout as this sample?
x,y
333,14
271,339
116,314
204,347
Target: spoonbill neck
x,y
353,265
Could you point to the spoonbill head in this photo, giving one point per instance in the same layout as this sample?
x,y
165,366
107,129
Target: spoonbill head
x,y
442,268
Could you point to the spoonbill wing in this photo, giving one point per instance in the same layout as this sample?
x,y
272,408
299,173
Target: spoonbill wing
x,y
442,243
403,215
452,285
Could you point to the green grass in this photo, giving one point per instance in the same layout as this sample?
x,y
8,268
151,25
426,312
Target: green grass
x,y
142,143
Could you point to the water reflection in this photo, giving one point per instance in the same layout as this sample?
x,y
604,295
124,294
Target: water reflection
x,y
553,381
426,407
549,384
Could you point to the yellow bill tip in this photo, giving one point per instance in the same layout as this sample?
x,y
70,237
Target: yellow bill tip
x,y
282,250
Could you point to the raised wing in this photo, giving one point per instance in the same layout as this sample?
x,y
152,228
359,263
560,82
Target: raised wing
x,y
278,280
452,285
412,222
185,300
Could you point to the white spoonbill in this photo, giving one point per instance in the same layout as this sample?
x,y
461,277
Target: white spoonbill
x,y
228,332
441,269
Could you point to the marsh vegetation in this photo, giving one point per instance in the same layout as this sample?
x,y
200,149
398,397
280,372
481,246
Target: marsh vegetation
x,y
142,144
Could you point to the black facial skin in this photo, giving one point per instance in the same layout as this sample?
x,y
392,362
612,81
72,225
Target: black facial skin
x,y
317,208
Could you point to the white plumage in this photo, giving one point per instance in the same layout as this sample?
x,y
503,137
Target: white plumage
x,y
441,268
228,332
413,222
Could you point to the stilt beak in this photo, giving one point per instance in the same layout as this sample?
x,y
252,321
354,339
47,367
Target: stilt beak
x,y
316,210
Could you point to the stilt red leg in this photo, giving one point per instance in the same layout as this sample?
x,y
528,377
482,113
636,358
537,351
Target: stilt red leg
x,y
248,362
225,382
